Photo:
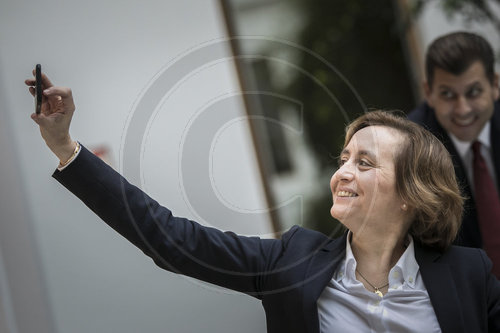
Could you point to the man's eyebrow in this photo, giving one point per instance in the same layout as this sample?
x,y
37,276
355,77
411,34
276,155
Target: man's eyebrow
x,y
469,86
474,85
444,86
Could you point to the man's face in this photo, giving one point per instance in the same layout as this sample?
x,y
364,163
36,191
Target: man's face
x,y
463,103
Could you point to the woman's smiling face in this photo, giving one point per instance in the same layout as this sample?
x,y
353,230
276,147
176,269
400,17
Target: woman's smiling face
x,y
364,186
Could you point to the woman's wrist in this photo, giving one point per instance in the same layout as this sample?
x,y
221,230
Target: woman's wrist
x,y
63,164
65,151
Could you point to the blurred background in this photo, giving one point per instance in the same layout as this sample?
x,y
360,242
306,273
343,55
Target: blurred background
x,y
228,112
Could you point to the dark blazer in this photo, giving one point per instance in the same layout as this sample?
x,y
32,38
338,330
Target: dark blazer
x,y
287,274
470,234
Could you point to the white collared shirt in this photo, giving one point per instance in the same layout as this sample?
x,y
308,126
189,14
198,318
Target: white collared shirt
x,y
464,149
347,306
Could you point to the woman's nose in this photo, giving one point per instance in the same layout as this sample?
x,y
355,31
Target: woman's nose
x,y
345,172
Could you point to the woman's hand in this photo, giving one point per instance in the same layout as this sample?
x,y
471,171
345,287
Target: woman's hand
x,y
55,117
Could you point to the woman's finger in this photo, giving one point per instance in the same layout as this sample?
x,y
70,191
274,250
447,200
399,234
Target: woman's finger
x,y
46,83
64,92
35,118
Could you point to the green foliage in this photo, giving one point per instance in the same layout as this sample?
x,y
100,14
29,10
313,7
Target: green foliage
x,y
361,42
470,10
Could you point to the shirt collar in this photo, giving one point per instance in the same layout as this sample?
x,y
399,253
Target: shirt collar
x,y
407,265
348,266
464,146
405,270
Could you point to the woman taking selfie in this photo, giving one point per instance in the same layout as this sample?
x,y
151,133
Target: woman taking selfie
x,y
394,269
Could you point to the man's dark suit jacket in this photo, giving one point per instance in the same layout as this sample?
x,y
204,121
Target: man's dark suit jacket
x,y
287,274
470,234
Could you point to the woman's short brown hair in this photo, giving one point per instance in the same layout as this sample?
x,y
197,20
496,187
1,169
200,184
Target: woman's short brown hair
x,y
425,178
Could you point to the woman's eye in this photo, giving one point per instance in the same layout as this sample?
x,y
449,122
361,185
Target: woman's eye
x,y
364,163
342,161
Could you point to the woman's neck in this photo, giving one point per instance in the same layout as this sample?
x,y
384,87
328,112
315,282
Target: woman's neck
x,y
375,256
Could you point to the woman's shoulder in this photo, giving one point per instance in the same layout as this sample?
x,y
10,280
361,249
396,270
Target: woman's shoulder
x,y
469,259
456,251
460,258
304,233
306,239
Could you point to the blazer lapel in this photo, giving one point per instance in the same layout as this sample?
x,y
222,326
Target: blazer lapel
x,y
319,272
437,278
442,290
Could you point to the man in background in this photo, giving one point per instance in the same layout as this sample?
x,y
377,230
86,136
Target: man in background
x,y
462,109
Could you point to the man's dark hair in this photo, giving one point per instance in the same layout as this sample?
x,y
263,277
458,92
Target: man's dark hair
x,y
455,52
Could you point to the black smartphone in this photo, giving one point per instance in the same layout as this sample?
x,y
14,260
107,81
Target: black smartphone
x,y
38,89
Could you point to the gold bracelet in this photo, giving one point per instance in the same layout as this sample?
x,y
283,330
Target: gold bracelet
x,y
77,149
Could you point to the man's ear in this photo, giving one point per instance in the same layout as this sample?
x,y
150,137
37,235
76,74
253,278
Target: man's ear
x,y
496,91
427,92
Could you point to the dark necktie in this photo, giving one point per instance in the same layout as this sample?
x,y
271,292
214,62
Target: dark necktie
x,y
488,208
